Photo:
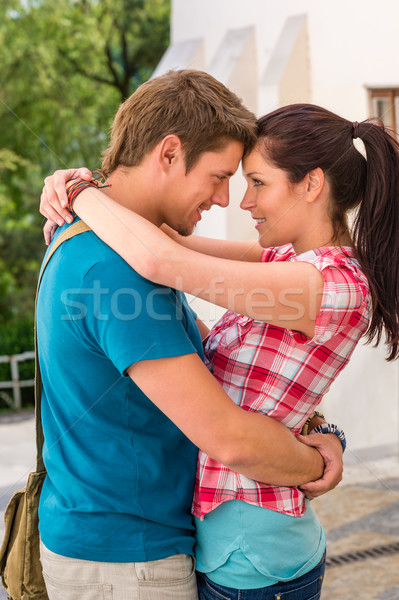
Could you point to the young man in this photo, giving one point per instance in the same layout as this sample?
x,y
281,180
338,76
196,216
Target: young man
x,y
119,355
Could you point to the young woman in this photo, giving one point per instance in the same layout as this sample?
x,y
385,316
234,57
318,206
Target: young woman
x,y
297,303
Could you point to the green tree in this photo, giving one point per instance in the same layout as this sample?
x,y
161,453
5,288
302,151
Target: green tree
x,y
66,66
121,41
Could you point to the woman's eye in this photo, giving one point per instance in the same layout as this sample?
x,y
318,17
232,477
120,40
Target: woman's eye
x,y
256,182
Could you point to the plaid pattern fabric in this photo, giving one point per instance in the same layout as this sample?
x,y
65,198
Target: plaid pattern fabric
x,y
282,373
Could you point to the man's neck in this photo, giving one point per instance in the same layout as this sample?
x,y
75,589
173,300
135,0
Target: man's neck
x,y
129,187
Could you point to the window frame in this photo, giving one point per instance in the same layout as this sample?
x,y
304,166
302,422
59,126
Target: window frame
x,y
390,93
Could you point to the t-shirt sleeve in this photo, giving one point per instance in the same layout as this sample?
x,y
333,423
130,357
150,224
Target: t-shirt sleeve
x,y
344,301
131,319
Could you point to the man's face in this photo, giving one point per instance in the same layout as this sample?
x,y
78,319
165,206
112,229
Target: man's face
x,y
206,184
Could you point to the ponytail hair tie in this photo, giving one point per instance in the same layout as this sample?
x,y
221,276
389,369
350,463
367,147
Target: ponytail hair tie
x,y
355,126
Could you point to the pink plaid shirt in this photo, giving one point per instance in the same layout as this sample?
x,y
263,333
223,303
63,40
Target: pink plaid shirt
x,y
282,373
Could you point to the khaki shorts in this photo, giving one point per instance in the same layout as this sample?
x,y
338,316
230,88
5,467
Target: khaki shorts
x,y
171,578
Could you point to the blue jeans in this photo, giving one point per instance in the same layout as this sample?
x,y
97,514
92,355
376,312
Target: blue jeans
x,y
307,587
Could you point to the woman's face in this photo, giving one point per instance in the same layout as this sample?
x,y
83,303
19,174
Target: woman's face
x,y
277,205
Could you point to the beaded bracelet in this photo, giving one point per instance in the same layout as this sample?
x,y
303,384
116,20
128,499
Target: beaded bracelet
x,y
331,428
79,185
305,428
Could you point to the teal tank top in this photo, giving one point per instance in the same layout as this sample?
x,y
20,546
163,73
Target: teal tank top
x,y
248,547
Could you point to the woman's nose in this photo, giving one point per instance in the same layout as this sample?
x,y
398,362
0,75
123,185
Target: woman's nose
x,y
248,201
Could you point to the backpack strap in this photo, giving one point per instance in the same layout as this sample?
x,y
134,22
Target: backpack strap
x,y
74,229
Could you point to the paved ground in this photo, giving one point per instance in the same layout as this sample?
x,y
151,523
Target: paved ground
x,y
362,513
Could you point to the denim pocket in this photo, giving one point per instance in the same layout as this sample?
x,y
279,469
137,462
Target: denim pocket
x,y
211,591
308,591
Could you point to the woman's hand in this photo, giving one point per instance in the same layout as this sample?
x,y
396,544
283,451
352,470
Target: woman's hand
x,y
49,230
54,201
330,448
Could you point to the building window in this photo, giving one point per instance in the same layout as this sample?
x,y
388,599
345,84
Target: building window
x,y
384,103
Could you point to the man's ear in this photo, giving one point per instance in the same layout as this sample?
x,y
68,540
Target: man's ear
x,y
170,150
315,183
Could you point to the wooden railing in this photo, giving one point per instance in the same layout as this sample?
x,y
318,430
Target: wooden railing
x,y
14,400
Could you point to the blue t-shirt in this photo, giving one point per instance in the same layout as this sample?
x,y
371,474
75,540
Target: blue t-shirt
x,y
120,474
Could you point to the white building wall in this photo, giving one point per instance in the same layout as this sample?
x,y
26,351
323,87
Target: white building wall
x,y
350,45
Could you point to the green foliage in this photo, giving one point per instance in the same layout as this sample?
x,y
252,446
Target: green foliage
x,y
66,66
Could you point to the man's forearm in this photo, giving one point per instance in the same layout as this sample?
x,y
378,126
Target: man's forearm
x,y
267,451
251,443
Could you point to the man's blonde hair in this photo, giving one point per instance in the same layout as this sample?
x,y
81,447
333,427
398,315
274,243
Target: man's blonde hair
x,y
191,104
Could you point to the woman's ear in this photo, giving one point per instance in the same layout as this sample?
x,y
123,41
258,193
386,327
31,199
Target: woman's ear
x,y
315,184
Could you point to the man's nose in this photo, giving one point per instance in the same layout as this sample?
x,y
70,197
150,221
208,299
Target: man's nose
x,y
222,196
